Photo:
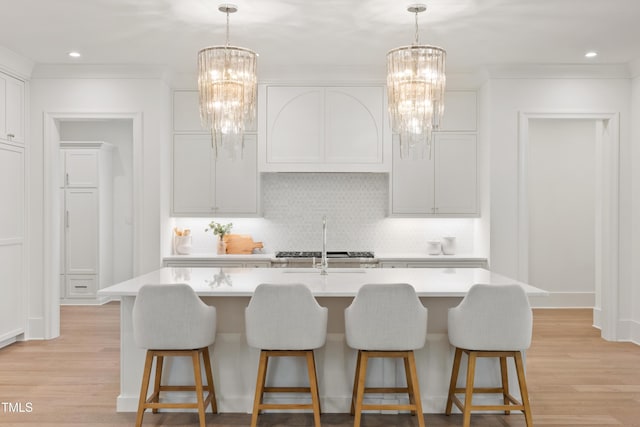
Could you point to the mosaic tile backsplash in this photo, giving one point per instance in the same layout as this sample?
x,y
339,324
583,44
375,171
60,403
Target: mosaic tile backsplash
x,y
356,206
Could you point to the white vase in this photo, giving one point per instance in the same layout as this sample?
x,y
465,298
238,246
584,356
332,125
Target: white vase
x,y
222,247
434,247
449,245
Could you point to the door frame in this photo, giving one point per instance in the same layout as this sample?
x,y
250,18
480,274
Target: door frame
x,y
51,223
607,218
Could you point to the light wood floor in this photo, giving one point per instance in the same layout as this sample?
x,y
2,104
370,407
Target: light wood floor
x,y
575,379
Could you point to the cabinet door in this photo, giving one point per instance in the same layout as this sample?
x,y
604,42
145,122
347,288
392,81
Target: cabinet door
x,y
12,213
81,168
81,224
353,124
15,110
412,184
236,181
456,187
295,125
192,174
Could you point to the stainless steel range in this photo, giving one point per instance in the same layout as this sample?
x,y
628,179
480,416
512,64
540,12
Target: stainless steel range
x,y
337,259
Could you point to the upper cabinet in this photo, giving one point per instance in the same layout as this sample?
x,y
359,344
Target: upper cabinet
x,y
206,185
443,185
323,129
11,109
203,184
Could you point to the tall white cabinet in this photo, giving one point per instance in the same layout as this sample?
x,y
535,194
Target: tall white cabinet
x,y
203,184
13,281
86,261
446,183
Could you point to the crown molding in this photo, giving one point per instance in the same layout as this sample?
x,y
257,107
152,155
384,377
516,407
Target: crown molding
x,y
634,68
101,71
558,71
14,64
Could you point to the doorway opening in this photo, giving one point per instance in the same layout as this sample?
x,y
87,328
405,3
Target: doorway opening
x,y
123,132
568,209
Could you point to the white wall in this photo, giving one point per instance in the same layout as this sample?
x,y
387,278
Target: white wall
x,y
561,183
508,97
119,133
635,236
148,96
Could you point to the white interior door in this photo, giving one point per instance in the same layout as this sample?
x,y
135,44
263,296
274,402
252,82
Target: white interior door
x,y
562,206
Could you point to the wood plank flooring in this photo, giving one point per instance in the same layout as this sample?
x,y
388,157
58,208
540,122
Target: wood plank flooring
x,y
574,377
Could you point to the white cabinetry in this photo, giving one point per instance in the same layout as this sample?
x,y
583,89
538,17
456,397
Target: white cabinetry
x,y
11,109
323,129
217,263
12,242
87,226
444,185
204,185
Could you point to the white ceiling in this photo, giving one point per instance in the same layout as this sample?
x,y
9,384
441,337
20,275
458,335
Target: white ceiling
x,y
329,34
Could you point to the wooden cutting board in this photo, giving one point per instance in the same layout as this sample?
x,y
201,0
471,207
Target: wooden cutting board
x,y
241,244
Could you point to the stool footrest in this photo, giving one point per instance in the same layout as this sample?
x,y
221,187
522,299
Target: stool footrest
x,y
386,390
389,407
287,390
285,406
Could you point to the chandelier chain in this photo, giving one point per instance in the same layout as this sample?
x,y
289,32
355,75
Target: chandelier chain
x,y
227,45
415,41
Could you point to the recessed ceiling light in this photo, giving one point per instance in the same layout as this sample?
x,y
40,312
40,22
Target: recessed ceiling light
x,y
74,54
591,54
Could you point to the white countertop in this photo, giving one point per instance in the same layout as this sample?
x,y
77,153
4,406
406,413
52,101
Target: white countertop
x,y
340,282
384,256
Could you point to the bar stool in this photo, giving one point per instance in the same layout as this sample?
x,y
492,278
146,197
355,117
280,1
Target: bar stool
x,y
491,321
285,320
170,320
386,320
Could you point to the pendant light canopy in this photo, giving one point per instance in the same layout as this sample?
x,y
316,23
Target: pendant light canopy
x,y
415,89
227,84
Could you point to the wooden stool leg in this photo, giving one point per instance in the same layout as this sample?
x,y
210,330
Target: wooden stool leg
x,y
313,386
146,376
362,376
355,384
262,375
454,379
197,373
210,386
468,395
524,394
505,382
157,381
415,389
407,374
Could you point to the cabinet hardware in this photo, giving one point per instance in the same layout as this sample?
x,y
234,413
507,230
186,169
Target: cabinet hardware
x,y
11,135
66,219
81,286
66,178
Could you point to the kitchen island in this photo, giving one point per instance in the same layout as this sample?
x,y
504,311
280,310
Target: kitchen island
x,y
235,364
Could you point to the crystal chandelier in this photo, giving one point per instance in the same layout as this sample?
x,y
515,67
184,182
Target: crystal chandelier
x,y
415,89
227,84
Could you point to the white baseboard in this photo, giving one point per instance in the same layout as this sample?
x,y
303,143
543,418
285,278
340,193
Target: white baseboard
x,y
35,328
634,334
597,318
7,342
564,300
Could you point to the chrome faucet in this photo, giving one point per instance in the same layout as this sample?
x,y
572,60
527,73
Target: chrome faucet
x,y
324,263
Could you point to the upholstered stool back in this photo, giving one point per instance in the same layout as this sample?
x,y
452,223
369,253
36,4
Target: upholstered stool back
x,y
285,317
172,317
492,317
386,317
